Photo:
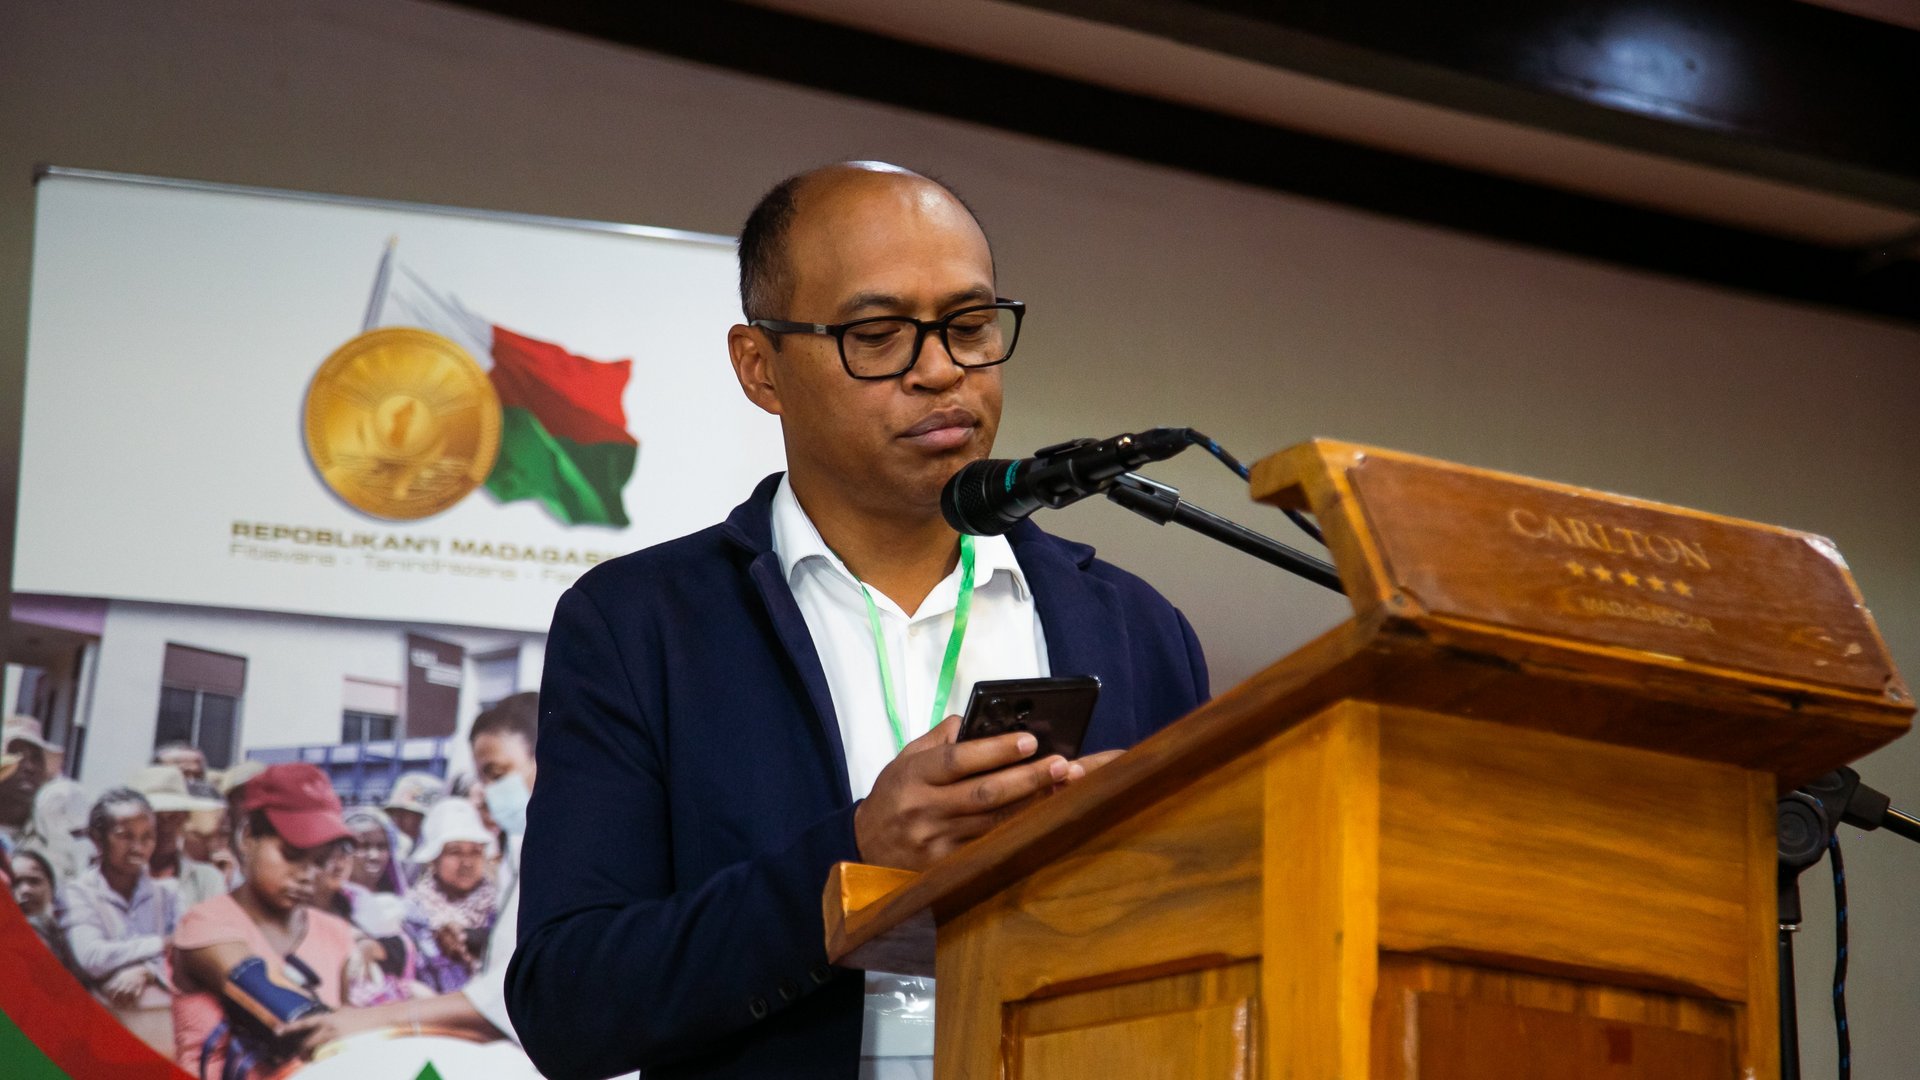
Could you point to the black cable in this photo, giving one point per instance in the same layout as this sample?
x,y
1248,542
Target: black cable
x,y
1205,442
1841,1034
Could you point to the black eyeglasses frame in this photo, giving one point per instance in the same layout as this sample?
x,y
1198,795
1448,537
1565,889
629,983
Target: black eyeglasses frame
x,y
838,332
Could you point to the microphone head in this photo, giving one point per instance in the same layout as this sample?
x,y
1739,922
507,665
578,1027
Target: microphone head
x,y
968,502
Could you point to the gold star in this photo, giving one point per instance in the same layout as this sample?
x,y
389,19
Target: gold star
x,y
1603,573
1683,588
1628,579
1656,584
1576,569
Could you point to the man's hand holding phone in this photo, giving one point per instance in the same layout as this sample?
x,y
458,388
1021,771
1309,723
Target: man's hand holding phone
x,y
940,793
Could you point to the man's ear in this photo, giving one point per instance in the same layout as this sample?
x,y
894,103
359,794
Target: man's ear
x,y
753,365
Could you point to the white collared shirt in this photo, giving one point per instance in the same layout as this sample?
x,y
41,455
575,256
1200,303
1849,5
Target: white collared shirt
x,y
1004,640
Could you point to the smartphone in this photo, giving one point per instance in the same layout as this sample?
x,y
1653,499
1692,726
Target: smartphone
x,y
1055,711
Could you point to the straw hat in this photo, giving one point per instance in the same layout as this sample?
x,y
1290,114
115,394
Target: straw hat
x,y
166,791
26,729
416,791
240,774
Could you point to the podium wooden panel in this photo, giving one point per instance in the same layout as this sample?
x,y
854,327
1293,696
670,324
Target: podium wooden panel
x,y
1515,818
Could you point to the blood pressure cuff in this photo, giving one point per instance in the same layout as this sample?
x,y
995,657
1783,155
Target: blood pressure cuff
x,y
268,996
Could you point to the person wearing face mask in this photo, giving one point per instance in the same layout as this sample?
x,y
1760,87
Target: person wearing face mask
x,y
503,740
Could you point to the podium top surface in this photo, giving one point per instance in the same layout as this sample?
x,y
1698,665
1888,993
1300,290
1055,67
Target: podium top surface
x,y
1437,546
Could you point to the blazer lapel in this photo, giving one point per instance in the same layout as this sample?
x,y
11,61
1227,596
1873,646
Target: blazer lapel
x,y
791,627
751,526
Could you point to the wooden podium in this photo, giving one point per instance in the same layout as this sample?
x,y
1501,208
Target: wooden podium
x,y
1514,819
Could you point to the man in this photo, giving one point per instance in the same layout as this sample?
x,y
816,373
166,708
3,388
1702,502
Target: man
x,y
166,792
715,732
412,797
118,919
503,740
34,761
183,756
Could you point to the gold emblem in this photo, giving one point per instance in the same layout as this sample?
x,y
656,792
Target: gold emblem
x,y
402,423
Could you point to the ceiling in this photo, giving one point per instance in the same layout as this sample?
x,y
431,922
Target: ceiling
x,y
1765,145
1138,62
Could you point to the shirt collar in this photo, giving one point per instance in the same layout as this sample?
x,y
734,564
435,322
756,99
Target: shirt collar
x,y
797,542
144,889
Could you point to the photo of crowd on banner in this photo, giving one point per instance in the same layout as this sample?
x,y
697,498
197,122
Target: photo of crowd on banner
x,y
240,920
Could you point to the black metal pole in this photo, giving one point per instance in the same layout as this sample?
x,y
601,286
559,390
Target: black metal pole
x,y
1789,1018
1162,504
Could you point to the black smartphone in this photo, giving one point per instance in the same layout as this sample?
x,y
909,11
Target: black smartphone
x,y
1055,711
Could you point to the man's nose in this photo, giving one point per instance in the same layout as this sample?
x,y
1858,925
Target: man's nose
x,y
933,368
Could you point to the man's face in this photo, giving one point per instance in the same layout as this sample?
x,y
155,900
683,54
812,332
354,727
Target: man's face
x,y
21,785
205,835
498,755
864,244
191,763
407,821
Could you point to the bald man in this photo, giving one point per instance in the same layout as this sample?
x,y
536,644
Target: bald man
x,y
726,715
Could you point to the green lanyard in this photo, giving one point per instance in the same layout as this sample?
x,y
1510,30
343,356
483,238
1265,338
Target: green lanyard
x,y
961,609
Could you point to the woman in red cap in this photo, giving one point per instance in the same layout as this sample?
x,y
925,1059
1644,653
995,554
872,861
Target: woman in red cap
x,y
255,959
262,973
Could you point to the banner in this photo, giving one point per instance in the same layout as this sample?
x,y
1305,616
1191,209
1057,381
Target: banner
x,y
246,400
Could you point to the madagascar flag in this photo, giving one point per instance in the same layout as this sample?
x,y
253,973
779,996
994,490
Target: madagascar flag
x,y
563,431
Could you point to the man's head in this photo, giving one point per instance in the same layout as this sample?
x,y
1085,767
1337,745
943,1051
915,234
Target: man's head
x,y
183,756
847,242
503,739
35,761
413,795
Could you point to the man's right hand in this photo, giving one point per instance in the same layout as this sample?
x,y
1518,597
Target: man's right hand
x,y
939,794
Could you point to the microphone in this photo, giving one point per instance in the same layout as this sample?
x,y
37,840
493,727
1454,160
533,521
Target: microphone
x,y
989,497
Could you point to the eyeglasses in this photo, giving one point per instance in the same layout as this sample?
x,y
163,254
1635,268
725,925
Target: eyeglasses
x,y
888,345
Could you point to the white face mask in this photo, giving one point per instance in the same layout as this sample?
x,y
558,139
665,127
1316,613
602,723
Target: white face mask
x,y
507,802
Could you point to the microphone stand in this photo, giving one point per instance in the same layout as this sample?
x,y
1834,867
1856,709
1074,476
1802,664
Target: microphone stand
x,y
1161,503
1807,820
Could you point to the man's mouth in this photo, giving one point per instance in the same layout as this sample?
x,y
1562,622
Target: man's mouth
x,y
943,430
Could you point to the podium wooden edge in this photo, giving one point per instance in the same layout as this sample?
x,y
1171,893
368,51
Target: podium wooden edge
x,y
852,888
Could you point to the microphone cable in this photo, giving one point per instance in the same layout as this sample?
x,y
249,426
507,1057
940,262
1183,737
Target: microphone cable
x,y
1207,443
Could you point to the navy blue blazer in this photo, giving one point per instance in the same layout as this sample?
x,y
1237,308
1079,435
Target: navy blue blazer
x,y
693,794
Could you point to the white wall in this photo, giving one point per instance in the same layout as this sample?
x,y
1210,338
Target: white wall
x,y
1157,297
296,667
